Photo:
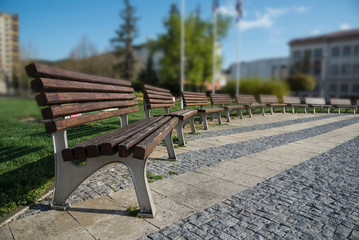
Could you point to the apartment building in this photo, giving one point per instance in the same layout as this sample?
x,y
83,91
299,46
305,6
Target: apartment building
x,y
9,50
334,61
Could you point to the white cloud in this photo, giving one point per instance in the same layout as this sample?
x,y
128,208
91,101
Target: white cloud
x,y
344,26
315,32
266,19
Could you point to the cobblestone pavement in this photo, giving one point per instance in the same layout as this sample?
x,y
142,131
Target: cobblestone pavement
x,y
117,177
318,199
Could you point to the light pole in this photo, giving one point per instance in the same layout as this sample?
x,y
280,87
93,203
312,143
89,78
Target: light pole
x,y
182,48
323,75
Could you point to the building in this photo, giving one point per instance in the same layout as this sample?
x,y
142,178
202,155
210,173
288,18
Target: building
x,y
266,69
333,60
9,51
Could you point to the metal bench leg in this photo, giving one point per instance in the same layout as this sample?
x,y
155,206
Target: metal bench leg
x,y
283,108
305,110
262,110
219,118
313,110
250,112
353,110
328,110
179,129
124,120
271,110
240,113
191,122
138,171
204,120
228,115
170,147
147,112
293,109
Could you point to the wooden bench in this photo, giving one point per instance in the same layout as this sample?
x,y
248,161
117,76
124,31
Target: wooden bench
x,y
342,103
294,103
249,102
201,100
155,97
317,102
272,102
225,101
65,93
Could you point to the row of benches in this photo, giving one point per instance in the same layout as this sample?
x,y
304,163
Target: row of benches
x,y
65,94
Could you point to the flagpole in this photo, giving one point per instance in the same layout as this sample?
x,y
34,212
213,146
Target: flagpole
x,y
182,47
238,60
214,50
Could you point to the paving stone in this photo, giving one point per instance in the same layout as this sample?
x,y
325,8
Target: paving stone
x,y
5,233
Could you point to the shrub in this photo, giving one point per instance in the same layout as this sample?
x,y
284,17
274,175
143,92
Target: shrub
x,y
301,82
256,86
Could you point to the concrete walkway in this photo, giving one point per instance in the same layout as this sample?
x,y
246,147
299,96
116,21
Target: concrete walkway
x,y
223,169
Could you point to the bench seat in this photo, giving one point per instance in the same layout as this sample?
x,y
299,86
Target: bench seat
x,y
226,102
155,97
317,103
342,103
294,103
249,102
201,100
272,102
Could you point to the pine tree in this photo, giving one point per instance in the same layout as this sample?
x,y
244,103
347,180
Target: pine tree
x,y
126,33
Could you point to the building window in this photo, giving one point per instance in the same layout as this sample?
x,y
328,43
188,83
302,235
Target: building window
x,y
335,52
356,69
355,88
333,88
274,72
297,56
356,51
283,72
344,88
317,67
334,70
318,53
346,69
346,51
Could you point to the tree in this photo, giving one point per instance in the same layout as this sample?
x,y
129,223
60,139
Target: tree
x,y
126,33
301,82
148,75
199,49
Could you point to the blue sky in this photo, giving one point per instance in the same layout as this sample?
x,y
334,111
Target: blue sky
x,y
53,28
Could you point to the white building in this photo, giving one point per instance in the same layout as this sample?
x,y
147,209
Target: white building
x,y
266,69
9,50
334,61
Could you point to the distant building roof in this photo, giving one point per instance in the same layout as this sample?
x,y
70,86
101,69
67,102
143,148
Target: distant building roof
x,y
330,37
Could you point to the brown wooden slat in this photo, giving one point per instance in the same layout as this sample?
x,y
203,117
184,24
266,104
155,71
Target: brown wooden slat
x,y
68,155
236,107
291,100
343,101
147,91
183,114
188,99
192,93
39,70
197,104
109,145
153,96
46,98
211,110
145,147
149,87
73,122
151,106
161,101
245,99
52,85
268,99
66,110
318,101
125,146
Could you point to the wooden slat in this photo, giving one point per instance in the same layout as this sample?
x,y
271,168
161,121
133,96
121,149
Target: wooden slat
x,y
153,96
145,147
39,70
147,91
65,110
68,153
291,100
196,104
157,89
151,106
211,110
125,146
337,101
52,85
161,101
245,99
46,98
236,107
317,101
268,99
77,121
109,145
183,114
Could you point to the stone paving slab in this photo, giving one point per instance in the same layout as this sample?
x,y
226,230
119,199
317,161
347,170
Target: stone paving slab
x,y
215,183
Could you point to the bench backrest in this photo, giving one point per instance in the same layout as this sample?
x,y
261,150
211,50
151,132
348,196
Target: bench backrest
x,y
357,103
194,99
319,101
268,99
245,99
67,93
155,97
338,101
221,99
292,100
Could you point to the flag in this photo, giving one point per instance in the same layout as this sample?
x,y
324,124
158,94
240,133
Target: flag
x,y
215,5
239,9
